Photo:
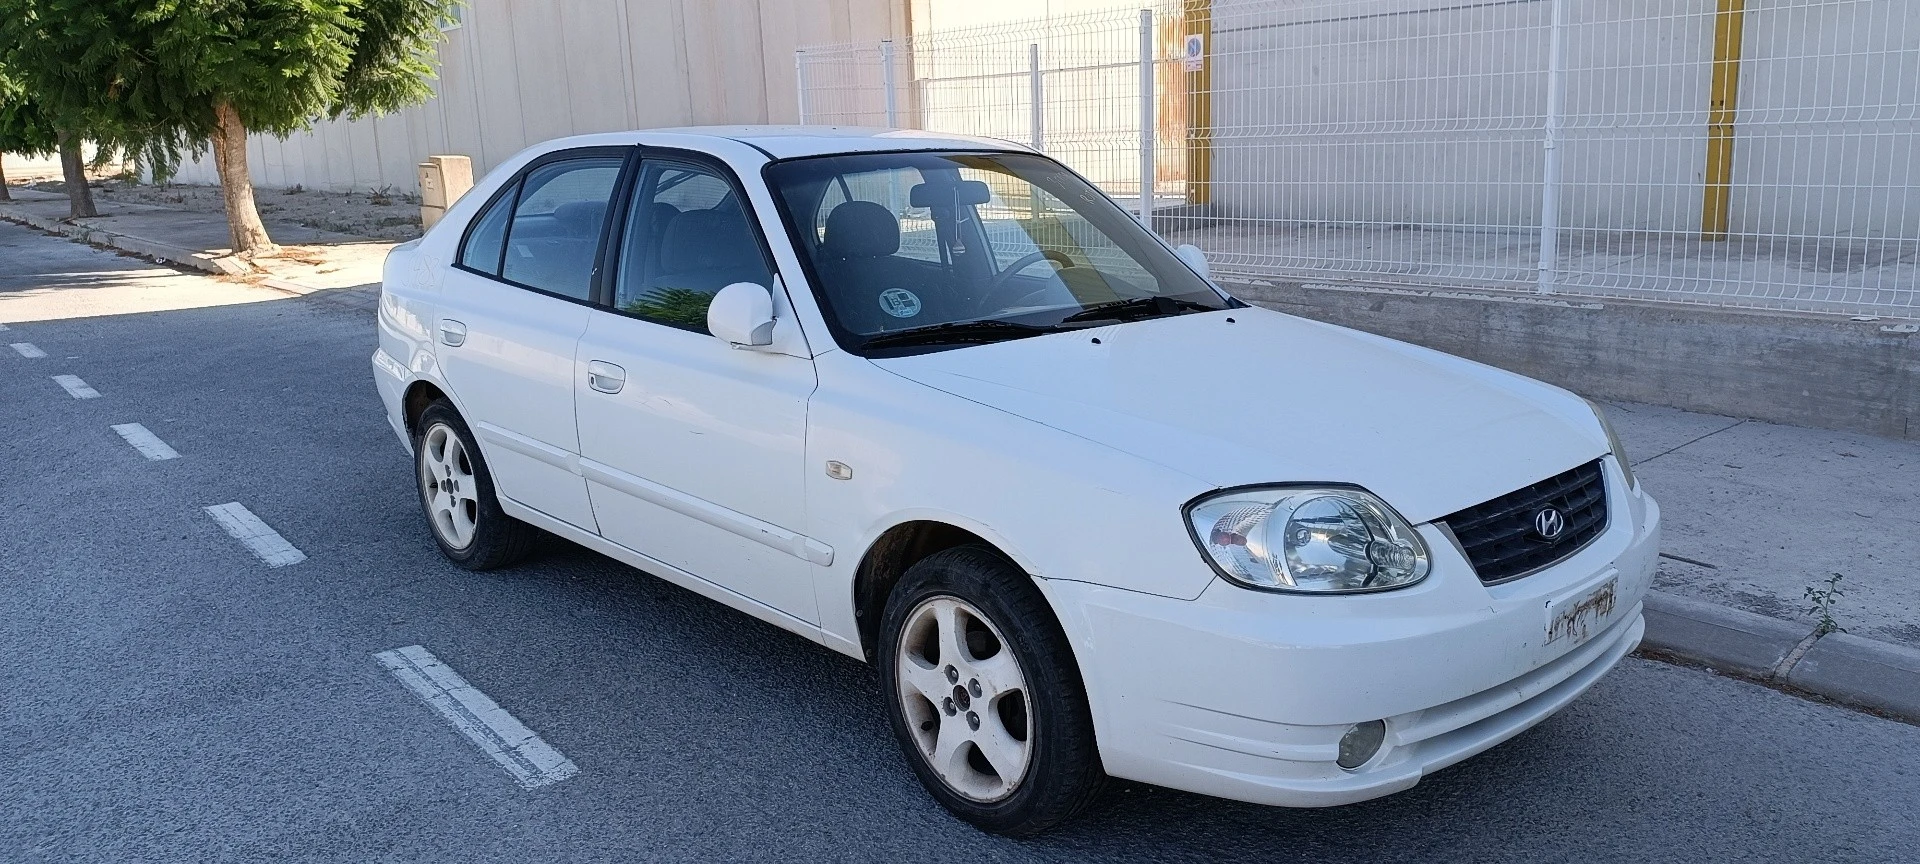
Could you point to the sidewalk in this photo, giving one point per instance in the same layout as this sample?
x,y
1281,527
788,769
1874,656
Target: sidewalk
x,y
308,257
1755,513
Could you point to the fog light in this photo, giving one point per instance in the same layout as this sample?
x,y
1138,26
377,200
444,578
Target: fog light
x,y
1360,743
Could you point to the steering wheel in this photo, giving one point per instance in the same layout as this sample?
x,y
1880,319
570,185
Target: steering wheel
x,y
1000,280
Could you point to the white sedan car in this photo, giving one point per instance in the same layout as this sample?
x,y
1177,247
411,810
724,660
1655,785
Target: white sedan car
x,y
937,402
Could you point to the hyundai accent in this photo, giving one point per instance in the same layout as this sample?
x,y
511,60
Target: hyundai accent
x,y
938,403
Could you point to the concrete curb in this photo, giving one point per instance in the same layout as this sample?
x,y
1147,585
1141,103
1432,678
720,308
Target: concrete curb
x,y
1863,673
154,249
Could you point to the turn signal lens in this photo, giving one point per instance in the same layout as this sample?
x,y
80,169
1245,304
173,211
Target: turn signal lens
x,y
1613,444
1319,539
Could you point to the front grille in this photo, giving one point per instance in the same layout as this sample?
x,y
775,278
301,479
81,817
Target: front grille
x,y
1499,536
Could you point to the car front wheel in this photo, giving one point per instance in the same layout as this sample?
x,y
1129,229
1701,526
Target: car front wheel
x,y
457,493
985,696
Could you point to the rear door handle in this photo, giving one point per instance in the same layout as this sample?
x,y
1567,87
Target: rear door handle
x,y
605,377
452,332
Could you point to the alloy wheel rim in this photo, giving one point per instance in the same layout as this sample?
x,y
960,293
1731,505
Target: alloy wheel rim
x,y
965,699
447,479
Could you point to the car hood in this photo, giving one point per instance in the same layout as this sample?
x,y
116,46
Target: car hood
x,y
1250,396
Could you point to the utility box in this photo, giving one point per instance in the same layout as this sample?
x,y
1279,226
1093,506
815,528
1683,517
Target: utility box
x,y
443,179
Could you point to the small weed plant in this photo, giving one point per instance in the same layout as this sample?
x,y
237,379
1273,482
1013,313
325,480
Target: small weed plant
x,y
1821,599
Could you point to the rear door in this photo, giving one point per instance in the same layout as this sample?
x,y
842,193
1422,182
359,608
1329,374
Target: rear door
x,y
694,451
511,313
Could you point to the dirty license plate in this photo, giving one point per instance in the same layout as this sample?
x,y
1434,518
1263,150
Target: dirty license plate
x,y
1575,618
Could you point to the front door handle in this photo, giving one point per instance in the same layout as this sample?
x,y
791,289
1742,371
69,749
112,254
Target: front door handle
x,y
605,377
452,333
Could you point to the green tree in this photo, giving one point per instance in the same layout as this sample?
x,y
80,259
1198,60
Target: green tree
x,y
676,305
158,78
28,129
25,130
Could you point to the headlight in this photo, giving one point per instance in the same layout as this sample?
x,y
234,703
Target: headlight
x,y
1322,539
1613,443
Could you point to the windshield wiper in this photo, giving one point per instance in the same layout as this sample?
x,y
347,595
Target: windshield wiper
x,y
956,332
1139,307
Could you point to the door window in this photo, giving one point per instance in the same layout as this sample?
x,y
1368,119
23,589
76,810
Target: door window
x,y
554,235
687,236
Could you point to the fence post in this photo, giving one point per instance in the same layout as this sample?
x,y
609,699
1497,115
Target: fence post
x,y
1198,20
886,80
1550,171
1728,32
1038,124
1148,93
800,82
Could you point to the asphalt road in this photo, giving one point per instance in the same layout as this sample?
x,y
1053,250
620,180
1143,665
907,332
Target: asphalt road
x,y
166,696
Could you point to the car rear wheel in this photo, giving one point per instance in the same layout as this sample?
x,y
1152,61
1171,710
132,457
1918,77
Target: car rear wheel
x,y
985,697
457,494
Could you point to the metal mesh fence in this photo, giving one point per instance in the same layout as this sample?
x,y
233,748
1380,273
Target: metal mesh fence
x,y
1751,153
1068,85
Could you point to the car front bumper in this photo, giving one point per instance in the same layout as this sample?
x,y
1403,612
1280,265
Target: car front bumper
x,y
1245,695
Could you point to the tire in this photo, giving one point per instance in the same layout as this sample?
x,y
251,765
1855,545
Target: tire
x,y
1011,637
467,522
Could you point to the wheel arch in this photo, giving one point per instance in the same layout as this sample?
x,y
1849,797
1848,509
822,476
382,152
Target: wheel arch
x,y
419,394
898,548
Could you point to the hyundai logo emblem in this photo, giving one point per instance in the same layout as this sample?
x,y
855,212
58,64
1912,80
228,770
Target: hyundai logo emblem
x,y
1549,523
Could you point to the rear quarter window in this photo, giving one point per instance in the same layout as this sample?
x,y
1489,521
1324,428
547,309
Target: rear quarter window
x,y
489,236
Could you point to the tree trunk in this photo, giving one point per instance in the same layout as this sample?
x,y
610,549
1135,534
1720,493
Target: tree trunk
x,y
236,184
5,195
73,169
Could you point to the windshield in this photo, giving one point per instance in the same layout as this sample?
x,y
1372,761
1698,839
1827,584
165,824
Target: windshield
x,y
927,250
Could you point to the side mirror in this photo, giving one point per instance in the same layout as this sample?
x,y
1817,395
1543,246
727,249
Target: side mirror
x,y
741,315
1195,259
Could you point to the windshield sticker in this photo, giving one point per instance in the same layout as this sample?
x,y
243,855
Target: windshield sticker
x,y
899,302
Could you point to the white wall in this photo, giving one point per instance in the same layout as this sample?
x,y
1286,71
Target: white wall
x,y
20,168
518,72
1828,139
1431,112
937,15
1414,112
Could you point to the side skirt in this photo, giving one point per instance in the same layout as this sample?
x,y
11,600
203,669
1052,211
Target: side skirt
x,y
667,572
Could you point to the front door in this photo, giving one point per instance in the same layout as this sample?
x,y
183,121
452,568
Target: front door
x,y
511,314
694,451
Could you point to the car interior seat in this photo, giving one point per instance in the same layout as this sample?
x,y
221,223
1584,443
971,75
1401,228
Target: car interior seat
x,y
859,263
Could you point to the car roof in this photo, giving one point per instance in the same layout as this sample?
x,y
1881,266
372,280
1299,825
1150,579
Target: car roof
x,y
786,142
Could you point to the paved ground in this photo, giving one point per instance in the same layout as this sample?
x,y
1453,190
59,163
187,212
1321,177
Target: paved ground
x,y
1758,512
170,697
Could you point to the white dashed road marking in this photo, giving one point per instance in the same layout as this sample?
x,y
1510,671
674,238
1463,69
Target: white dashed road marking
x,y
249,530
530,760
77,387
28,350
146,442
